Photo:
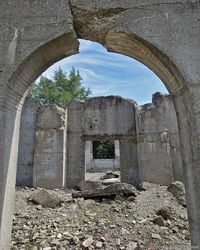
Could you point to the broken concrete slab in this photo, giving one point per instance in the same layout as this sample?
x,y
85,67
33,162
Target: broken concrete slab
x,y
110,181
117,188
89,185
111,175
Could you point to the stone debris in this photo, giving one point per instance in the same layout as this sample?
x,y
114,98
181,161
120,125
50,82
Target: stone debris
x,y
99,244
111,175
89,185
159,221
108,223
156,236
110,181
88,242
132,246
165,212
45,198
114,189
178,190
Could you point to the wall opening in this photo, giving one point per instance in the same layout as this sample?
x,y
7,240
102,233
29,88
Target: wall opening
x,y
103,149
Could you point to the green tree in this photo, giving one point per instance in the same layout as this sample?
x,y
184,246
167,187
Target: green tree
x,y
59,90
103,150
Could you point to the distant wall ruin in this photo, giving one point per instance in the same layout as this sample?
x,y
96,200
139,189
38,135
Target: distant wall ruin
x,y
148,140
101,118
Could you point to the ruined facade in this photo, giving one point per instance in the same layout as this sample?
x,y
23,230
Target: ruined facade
x,y
164,35
101,118
146,139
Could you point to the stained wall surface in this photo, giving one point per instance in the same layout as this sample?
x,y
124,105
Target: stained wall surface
x,y
158,143
27,143
49,157
101,118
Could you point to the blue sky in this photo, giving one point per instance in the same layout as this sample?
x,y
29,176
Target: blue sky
x,y
111,74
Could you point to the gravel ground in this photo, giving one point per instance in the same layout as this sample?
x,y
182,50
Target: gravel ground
x,y
118,223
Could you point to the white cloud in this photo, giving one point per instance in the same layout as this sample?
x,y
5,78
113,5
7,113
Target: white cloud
x,y
110,73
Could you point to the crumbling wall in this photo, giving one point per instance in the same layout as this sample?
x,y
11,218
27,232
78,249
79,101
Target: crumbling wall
x,y
27,140
148,141
101,118
49,160
158,141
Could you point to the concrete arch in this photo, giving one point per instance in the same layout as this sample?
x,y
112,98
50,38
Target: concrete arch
x,y
110,26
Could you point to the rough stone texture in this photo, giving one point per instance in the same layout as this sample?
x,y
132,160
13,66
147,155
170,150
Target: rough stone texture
x,y
45,198
159,146
50,117
114,189
89,185
27,140
101,118
101,165
49,160
164,35
178,190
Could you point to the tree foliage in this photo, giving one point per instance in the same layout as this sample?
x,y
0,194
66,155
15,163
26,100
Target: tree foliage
x,y
59,90
103,150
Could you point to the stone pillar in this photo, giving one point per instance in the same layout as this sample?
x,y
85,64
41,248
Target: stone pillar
x,y
129,162
75,160
188,107
27,140
88,155
49,160
117,155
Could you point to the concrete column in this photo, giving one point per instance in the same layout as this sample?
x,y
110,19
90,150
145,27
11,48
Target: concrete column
x,y
117,155
188,107
9,134
75,157
27,140
129,162
49,160
88,155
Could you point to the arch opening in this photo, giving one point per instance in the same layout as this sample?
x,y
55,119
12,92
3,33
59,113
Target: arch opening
x,y
165,74
137,49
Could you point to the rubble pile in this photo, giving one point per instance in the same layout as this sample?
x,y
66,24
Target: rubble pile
x,y
152,219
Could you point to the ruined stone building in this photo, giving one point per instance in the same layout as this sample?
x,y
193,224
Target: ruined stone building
x,y
163,35
55,148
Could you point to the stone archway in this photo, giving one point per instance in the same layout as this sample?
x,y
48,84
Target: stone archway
x,y
162,35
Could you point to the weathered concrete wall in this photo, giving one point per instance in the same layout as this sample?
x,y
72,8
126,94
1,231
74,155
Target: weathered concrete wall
x,y
158,143
49,160
101,118
27,140
101,165
155,142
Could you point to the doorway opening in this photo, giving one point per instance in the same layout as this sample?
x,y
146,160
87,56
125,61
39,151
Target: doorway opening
x,y
102,160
